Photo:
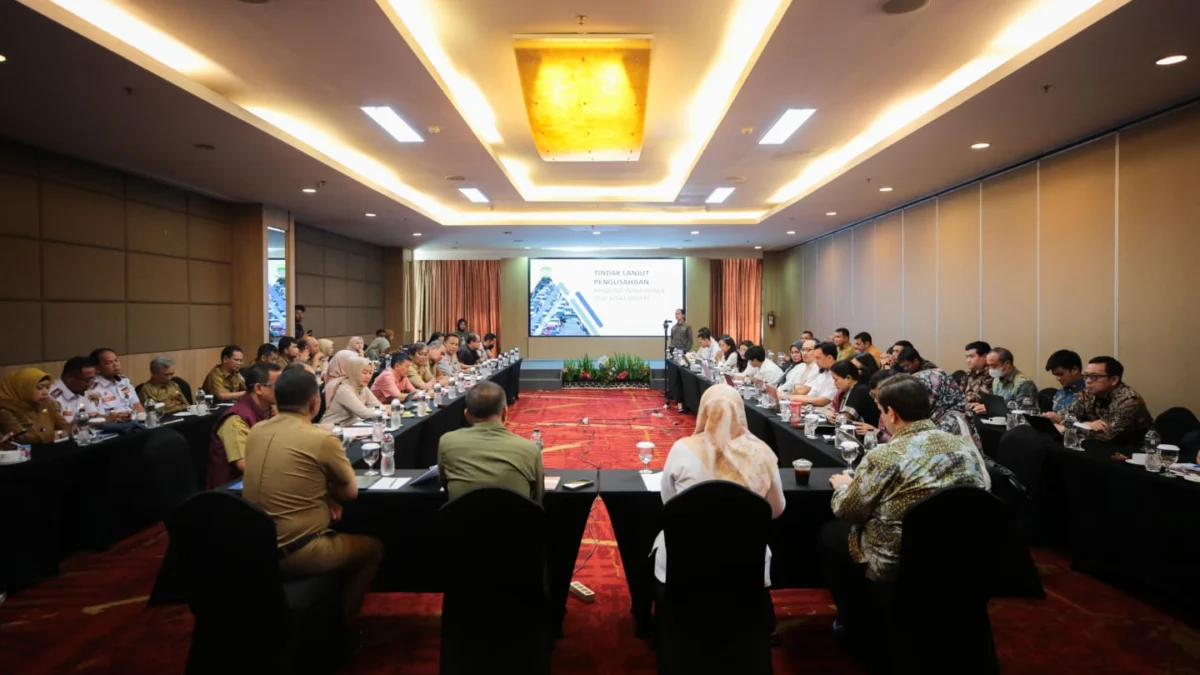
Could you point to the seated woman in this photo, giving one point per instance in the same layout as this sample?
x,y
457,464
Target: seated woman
x,y
949,411
421,373
795,368
744,366
27,412
722,448
860,427
379,348
347,397
867,366
853,396
355,344
729,353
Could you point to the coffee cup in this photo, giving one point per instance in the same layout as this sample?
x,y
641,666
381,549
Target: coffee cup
x,y
803,469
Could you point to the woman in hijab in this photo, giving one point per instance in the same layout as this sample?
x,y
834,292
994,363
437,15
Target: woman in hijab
x,y
26,409
949,406
348,399
355,344
722,448
461,331
853,397
380,347
867,366
796,368
325,346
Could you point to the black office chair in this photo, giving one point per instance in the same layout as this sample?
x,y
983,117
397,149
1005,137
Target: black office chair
x,y
1045,399
1174,423
713,615
185,388
247,618
960,550
495,617
171,475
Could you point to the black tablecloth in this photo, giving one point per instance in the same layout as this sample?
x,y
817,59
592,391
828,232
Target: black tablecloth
x,y
69,497
636,512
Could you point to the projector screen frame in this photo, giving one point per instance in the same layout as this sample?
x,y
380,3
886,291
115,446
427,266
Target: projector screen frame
x,y
529,285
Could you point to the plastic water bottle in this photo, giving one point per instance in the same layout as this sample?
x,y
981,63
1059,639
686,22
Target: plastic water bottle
x,y
200,407
387,456
83,431
437,395
536,437
397,414
1150,447
377,425
151,414
810,425
1071,434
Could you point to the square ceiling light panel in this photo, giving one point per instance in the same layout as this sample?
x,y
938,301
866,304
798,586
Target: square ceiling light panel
x,y
585,95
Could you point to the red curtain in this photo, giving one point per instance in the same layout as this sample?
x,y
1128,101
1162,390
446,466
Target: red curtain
x,y
449,290
737,299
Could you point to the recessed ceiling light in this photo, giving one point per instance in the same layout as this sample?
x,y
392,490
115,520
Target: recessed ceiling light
x,y
980,146
719,195
834,213
757,248
695,231
456,178
786,126
416,234
1171,60
391,122
885,189
474,195
3,58
370,215
198,146
308,190
791,232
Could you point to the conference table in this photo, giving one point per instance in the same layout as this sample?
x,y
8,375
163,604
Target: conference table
x,y
69,497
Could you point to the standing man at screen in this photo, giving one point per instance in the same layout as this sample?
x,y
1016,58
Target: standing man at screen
x,y
681,332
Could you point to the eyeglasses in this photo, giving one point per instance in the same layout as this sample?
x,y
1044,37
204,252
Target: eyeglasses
x,y
1092,377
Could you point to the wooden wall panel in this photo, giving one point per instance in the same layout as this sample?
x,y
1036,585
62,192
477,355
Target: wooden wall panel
x,y
156,230
156,278
920,277
66,210
21,273
863,296
1078,220
24,345
157,327
1159,239
1010,291
63,338
18,205
958,275
889,298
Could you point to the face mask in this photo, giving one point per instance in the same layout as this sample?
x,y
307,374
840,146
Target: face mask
x,y
995,373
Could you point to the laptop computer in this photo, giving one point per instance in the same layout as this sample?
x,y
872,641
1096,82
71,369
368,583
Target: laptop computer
x,y
996,406
729,380
1044,426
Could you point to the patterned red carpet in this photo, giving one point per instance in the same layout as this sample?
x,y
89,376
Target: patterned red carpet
x,y
92,618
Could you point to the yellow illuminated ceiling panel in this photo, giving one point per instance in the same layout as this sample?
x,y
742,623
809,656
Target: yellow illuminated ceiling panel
x,y
585,95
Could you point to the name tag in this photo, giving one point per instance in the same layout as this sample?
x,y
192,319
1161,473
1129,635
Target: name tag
x,y
110,399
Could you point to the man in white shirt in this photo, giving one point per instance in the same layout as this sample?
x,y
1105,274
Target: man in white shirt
x,y
822,389
71,390
118,400
803,371
764,368
708,346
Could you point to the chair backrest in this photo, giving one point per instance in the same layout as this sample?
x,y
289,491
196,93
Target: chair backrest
x,y
185,388
227,560
509,528
716,534
170,470
959,544
1045,399
1173,424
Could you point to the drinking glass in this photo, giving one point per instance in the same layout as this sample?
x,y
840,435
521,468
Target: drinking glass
x,y
645,454
370,456
849,454
1169,455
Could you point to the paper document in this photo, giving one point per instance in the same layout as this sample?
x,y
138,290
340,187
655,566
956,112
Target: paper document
x,y
551,482
172,421
1081,425
653,481
184,413
356,432
393,483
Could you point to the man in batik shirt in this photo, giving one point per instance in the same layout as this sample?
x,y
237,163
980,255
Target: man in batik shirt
x,y
864,543
1110,409
1066,367
978,382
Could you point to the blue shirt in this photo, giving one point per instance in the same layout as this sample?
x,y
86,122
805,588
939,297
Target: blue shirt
x,y
1063,398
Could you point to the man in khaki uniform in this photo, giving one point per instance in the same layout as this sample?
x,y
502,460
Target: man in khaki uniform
x,y
487,454
298,473
161,388
289,351
224,381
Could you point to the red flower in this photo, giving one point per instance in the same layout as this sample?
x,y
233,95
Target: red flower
x,y
564,370
624,375
586,375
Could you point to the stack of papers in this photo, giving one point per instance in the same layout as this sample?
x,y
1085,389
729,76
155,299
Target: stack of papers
x,y
653,481
390,483
551,482
356,432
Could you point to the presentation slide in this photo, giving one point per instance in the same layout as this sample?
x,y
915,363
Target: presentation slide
x,y
609,297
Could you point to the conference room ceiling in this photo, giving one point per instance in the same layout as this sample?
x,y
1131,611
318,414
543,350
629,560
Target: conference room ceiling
x,y
277,88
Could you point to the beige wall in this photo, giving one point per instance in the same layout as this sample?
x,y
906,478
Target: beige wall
x,y
1090,249
340,283
95,257
514,316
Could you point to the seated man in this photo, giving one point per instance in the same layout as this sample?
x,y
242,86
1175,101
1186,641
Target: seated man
x,y
305,348
798,378
841,339
468,354
161,388
227,451
1066,367
865,541
978,383
224,381
289,351
820,392
298,473
267,353
449,363
71,391
393,382
909,360
489,346
864,344
1008,382
117,398
705,349
888,359
487,454
765,369
1110,409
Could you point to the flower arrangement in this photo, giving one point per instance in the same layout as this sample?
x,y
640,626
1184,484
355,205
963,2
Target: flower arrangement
x,y
619,371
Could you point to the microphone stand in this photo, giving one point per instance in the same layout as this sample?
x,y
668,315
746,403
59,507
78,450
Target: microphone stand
x,y
666,356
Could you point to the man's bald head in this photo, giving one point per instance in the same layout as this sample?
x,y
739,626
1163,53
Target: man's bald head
x,y
486,401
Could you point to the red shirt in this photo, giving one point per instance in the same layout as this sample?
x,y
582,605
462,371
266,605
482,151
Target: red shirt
x,y
388,387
